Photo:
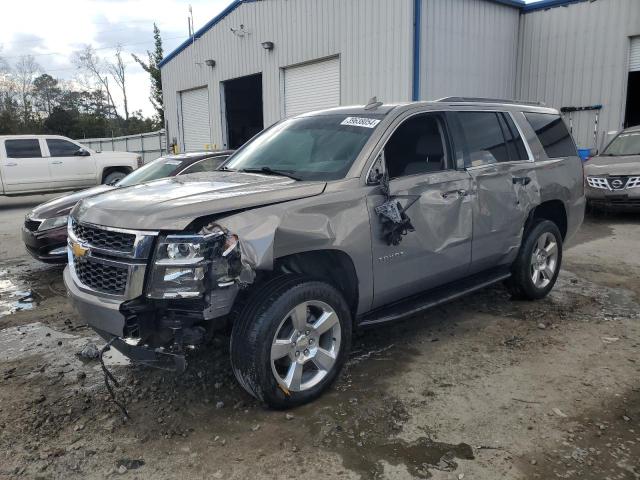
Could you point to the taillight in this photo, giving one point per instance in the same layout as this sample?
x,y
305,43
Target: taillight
x,y
140,161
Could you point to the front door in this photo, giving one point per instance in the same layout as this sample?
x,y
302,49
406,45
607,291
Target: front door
x,y
423,175
70,165
23,166
504,184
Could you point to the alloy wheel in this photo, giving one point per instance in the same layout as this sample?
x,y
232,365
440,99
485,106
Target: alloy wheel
x,y
305,346
544,260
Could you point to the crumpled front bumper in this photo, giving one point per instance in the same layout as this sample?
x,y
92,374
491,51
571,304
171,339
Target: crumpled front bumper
x,y
103,315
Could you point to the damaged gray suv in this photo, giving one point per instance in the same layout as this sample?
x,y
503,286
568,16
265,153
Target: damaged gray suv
x,y
323,223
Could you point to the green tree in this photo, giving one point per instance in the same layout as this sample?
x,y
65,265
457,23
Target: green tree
x,y
152,68
46,93
61,122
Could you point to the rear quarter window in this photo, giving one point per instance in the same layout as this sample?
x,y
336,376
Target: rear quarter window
x,y
553,134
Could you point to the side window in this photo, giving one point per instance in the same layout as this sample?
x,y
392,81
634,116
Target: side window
x,y
23,148
206,165
553,134
483,138
61,148
515,145
417,146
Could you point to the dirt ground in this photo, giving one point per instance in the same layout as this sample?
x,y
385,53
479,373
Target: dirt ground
x,y
482,388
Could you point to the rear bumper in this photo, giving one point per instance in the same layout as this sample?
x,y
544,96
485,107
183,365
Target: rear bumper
x,y
43,245
101,313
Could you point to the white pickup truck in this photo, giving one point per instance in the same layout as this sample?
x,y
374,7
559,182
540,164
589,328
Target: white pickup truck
x,y
51,163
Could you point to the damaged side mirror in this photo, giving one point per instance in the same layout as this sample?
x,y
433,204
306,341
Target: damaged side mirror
x,y
377,171
378,175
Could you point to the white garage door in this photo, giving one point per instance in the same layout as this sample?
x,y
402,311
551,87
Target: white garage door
x,y
196,131
312,86
634,56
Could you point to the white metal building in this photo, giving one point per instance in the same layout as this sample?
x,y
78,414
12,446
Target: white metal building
x,y
262,60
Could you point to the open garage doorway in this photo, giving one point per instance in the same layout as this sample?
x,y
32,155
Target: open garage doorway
x,y
632,115
243,109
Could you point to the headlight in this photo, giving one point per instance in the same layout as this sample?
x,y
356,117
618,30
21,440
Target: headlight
x,y
181,265
53,222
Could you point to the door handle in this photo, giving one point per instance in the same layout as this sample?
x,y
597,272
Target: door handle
x,y
57,162
460,193
11,164
521,180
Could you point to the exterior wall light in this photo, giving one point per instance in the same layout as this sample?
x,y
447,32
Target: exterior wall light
x,y
210,63
267,45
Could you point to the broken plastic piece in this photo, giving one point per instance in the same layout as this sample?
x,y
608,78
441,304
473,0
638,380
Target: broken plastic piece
x,y
395,222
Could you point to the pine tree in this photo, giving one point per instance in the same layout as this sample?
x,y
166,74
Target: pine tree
x,y
152,68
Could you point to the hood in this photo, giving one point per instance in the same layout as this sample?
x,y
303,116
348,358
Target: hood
x,y
173,203
603,165
63,205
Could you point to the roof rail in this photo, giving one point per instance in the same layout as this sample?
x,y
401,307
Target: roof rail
x,y
488,100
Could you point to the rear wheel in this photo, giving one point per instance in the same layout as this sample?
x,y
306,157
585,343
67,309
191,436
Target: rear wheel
x,y
114,177
535,271
290,341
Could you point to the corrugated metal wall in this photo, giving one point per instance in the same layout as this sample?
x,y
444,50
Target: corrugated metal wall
x,y
372,37
468,48
577,55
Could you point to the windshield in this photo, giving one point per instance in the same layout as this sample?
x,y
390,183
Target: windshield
x,y
309,148
159,168
624,144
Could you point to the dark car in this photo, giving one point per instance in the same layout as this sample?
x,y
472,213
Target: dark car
x,y
613,177
45,227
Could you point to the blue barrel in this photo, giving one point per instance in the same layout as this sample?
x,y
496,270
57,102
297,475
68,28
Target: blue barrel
x,y
584,153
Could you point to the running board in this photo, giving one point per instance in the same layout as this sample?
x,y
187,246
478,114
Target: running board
x,y
431,298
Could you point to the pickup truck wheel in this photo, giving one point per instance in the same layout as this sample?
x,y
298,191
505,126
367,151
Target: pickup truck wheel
x,y
290,341
535,271
114,177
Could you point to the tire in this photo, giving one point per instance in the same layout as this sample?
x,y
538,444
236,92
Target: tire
x,y
114,177
264,340
523,283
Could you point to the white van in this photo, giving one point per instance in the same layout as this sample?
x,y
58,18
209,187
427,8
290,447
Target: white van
x,y
50,163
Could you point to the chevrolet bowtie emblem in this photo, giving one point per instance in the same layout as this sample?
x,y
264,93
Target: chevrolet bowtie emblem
x,y
78,250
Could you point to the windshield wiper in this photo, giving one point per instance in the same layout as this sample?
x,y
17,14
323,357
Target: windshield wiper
x,y
270,171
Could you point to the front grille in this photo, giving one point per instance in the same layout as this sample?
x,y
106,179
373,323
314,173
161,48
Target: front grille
x,y
633,182
598,182
617,183
31,225
101,277
105,239
613,183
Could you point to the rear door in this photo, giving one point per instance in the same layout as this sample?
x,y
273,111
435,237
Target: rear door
x,y
425,180
505,185
24,168
67,166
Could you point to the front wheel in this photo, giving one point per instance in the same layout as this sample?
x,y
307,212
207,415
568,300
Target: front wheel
x,y
535,271
290,341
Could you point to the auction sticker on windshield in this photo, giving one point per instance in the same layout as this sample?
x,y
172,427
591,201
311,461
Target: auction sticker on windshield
x,y
360,122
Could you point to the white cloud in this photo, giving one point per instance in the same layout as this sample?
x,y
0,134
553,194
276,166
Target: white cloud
x,y
53,31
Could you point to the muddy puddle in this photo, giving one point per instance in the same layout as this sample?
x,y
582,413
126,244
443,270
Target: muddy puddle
x,y
360,418
58,350
24,290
